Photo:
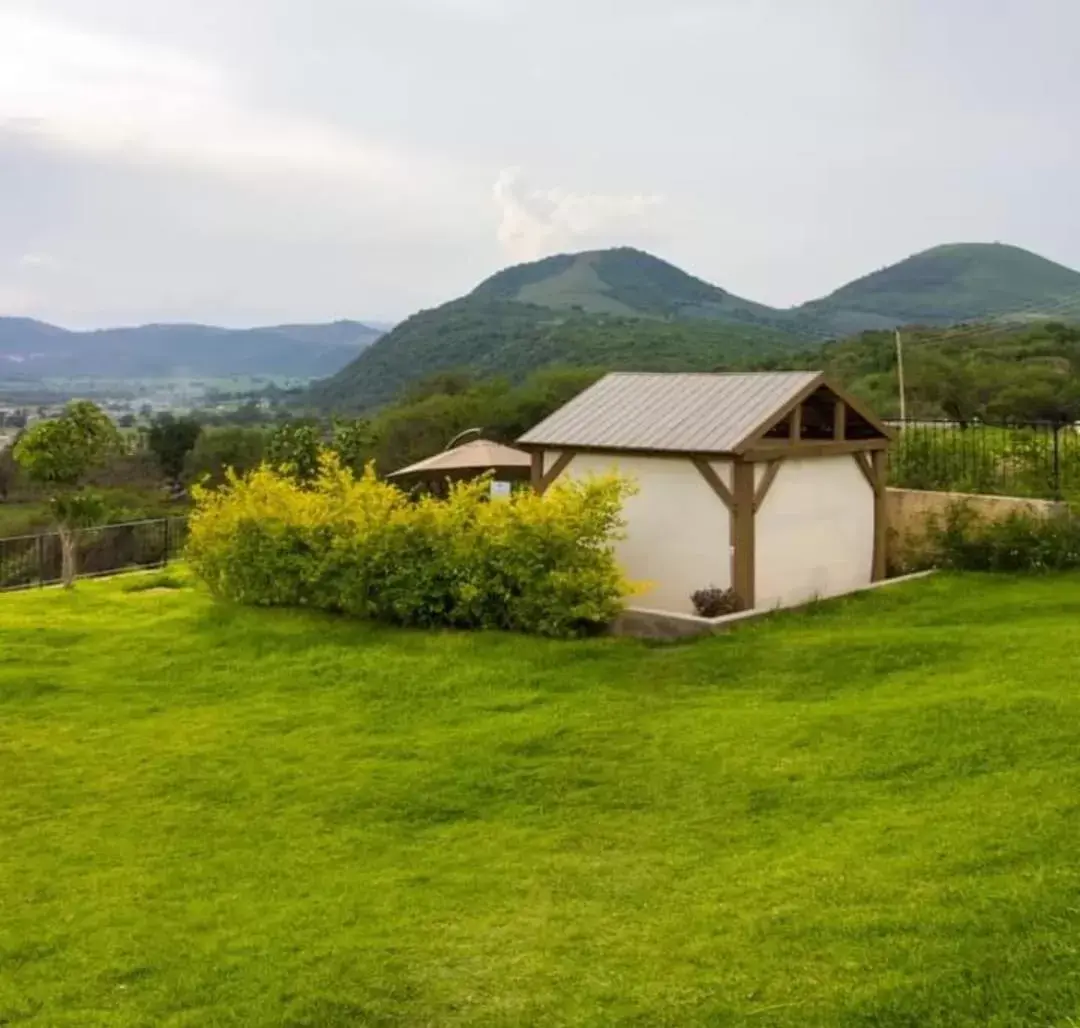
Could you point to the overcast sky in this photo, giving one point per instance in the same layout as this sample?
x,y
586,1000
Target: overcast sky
x,y
253,161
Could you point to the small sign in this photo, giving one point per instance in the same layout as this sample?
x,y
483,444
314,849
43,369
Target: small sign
x,y
500,490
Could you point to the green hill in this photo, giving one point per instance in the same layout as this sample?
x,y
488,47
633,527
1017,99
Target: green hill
x,y
622,281
948,284
499,337
618,308
623,308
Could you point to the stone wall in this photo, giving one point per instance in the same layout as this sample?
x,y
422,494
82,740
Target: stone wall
x,y
909,511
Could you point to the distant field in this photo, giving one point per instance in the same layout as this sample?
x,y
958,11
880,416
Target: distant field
x,y
864,815
54,390
124,504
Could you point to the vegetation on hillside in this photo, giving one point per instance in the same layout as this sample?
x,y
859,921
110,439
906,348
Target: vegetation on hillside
x,y
992,372
621,281
512,339
627,309
957,282
861,815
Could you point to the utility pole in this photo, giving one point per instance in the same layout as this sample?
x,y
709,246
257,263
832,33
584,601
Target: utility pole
x,y
900,374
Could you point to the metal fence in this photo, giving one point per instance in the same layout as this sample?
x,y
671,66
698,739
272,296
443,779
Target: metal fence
x,y
1033,459
35,560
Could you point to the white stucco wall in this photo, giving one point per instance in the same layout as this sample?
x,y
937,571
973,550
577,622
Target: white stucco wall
x,y
678,530
815,532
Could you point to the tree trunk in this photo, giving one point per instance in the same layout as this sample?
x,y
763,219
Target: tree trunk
x,y
68,557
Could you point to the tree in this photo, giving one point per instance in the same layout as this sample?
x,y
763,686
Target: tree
x,y
60,454
228,447
352,442
171,440
8,468
294,448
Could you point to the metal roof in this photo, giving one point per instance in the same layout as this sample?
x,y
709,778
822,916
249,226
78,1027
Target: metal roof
x,y
685,413
479,455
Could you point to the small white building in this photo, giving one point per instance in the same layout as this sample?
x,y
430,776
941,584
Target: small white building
x,y
772,484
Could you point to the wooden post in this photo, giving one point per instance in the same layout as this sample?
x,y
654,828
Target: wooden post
x,y
796,423
537,471
839,421
742,533
881,515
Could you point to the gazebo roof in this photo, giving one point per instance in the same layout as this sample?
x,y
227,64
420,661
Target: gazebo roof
x,y
692,413
479,455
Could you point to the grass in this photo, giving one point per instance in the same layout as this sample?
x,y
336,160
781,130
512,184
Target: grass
x,y
863,815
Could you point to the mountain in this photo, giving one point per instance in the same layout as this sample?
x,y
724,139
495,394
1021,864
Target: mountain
x,y
603,308
505,338
623,308
624,282
949,284
34,350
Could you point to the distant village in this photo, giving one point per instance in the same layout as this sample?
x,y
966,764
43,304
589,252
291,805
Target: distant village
x,y
17,415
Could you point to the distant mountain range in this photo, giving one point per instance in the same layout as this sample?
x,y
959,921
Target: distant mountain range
x,y
34,350
625,308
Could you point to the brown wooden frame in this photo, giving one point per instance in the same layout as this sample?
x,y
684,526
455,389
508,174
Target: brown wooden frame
x,y
873,469
743,541
756,440
541,480
772,468
716,483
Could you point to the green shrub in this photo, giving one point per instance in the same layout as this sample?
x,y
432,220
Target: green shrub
x,y
715,602
359,546
1020,542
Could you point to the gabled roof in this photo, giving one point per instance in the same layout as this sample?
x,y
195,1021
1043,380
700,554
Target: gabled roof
x,y
680,413
478,455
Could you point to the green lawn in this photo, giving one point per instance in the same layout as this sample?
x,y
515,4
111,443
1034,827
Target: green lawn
x,y
866,815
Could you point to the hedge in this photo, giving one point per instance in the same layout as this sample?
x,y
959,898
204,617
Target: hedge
x,y
529,563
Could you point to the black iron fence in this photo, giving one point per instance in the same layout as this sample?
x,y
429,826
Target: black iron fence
x,y
1033,459
35,560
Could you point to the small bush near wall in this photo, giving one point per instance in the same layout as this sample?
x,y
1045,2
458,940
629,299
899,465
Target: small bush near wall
x,y
715,602
536,564
1019,542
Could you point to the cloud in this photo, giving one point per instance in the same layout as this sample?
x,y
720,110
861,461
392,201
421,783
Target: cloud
x,y
37,260
70,87
534,222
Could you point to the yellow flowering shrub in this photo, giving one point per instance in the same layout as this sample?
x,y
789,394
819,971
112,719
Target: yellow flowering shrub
x,y
541,564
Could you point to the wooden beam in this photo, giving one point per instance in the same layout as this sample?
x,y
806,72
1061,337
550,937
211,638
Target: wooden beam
x,y
742,534
881,515
536,475
864,412
556,470
757,436
769,450
863,464
765,485
839,432
708,472
796,423
755,439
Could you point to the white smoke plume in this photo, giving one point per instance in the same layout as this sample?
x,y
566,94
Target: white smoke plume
x,y
536,222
